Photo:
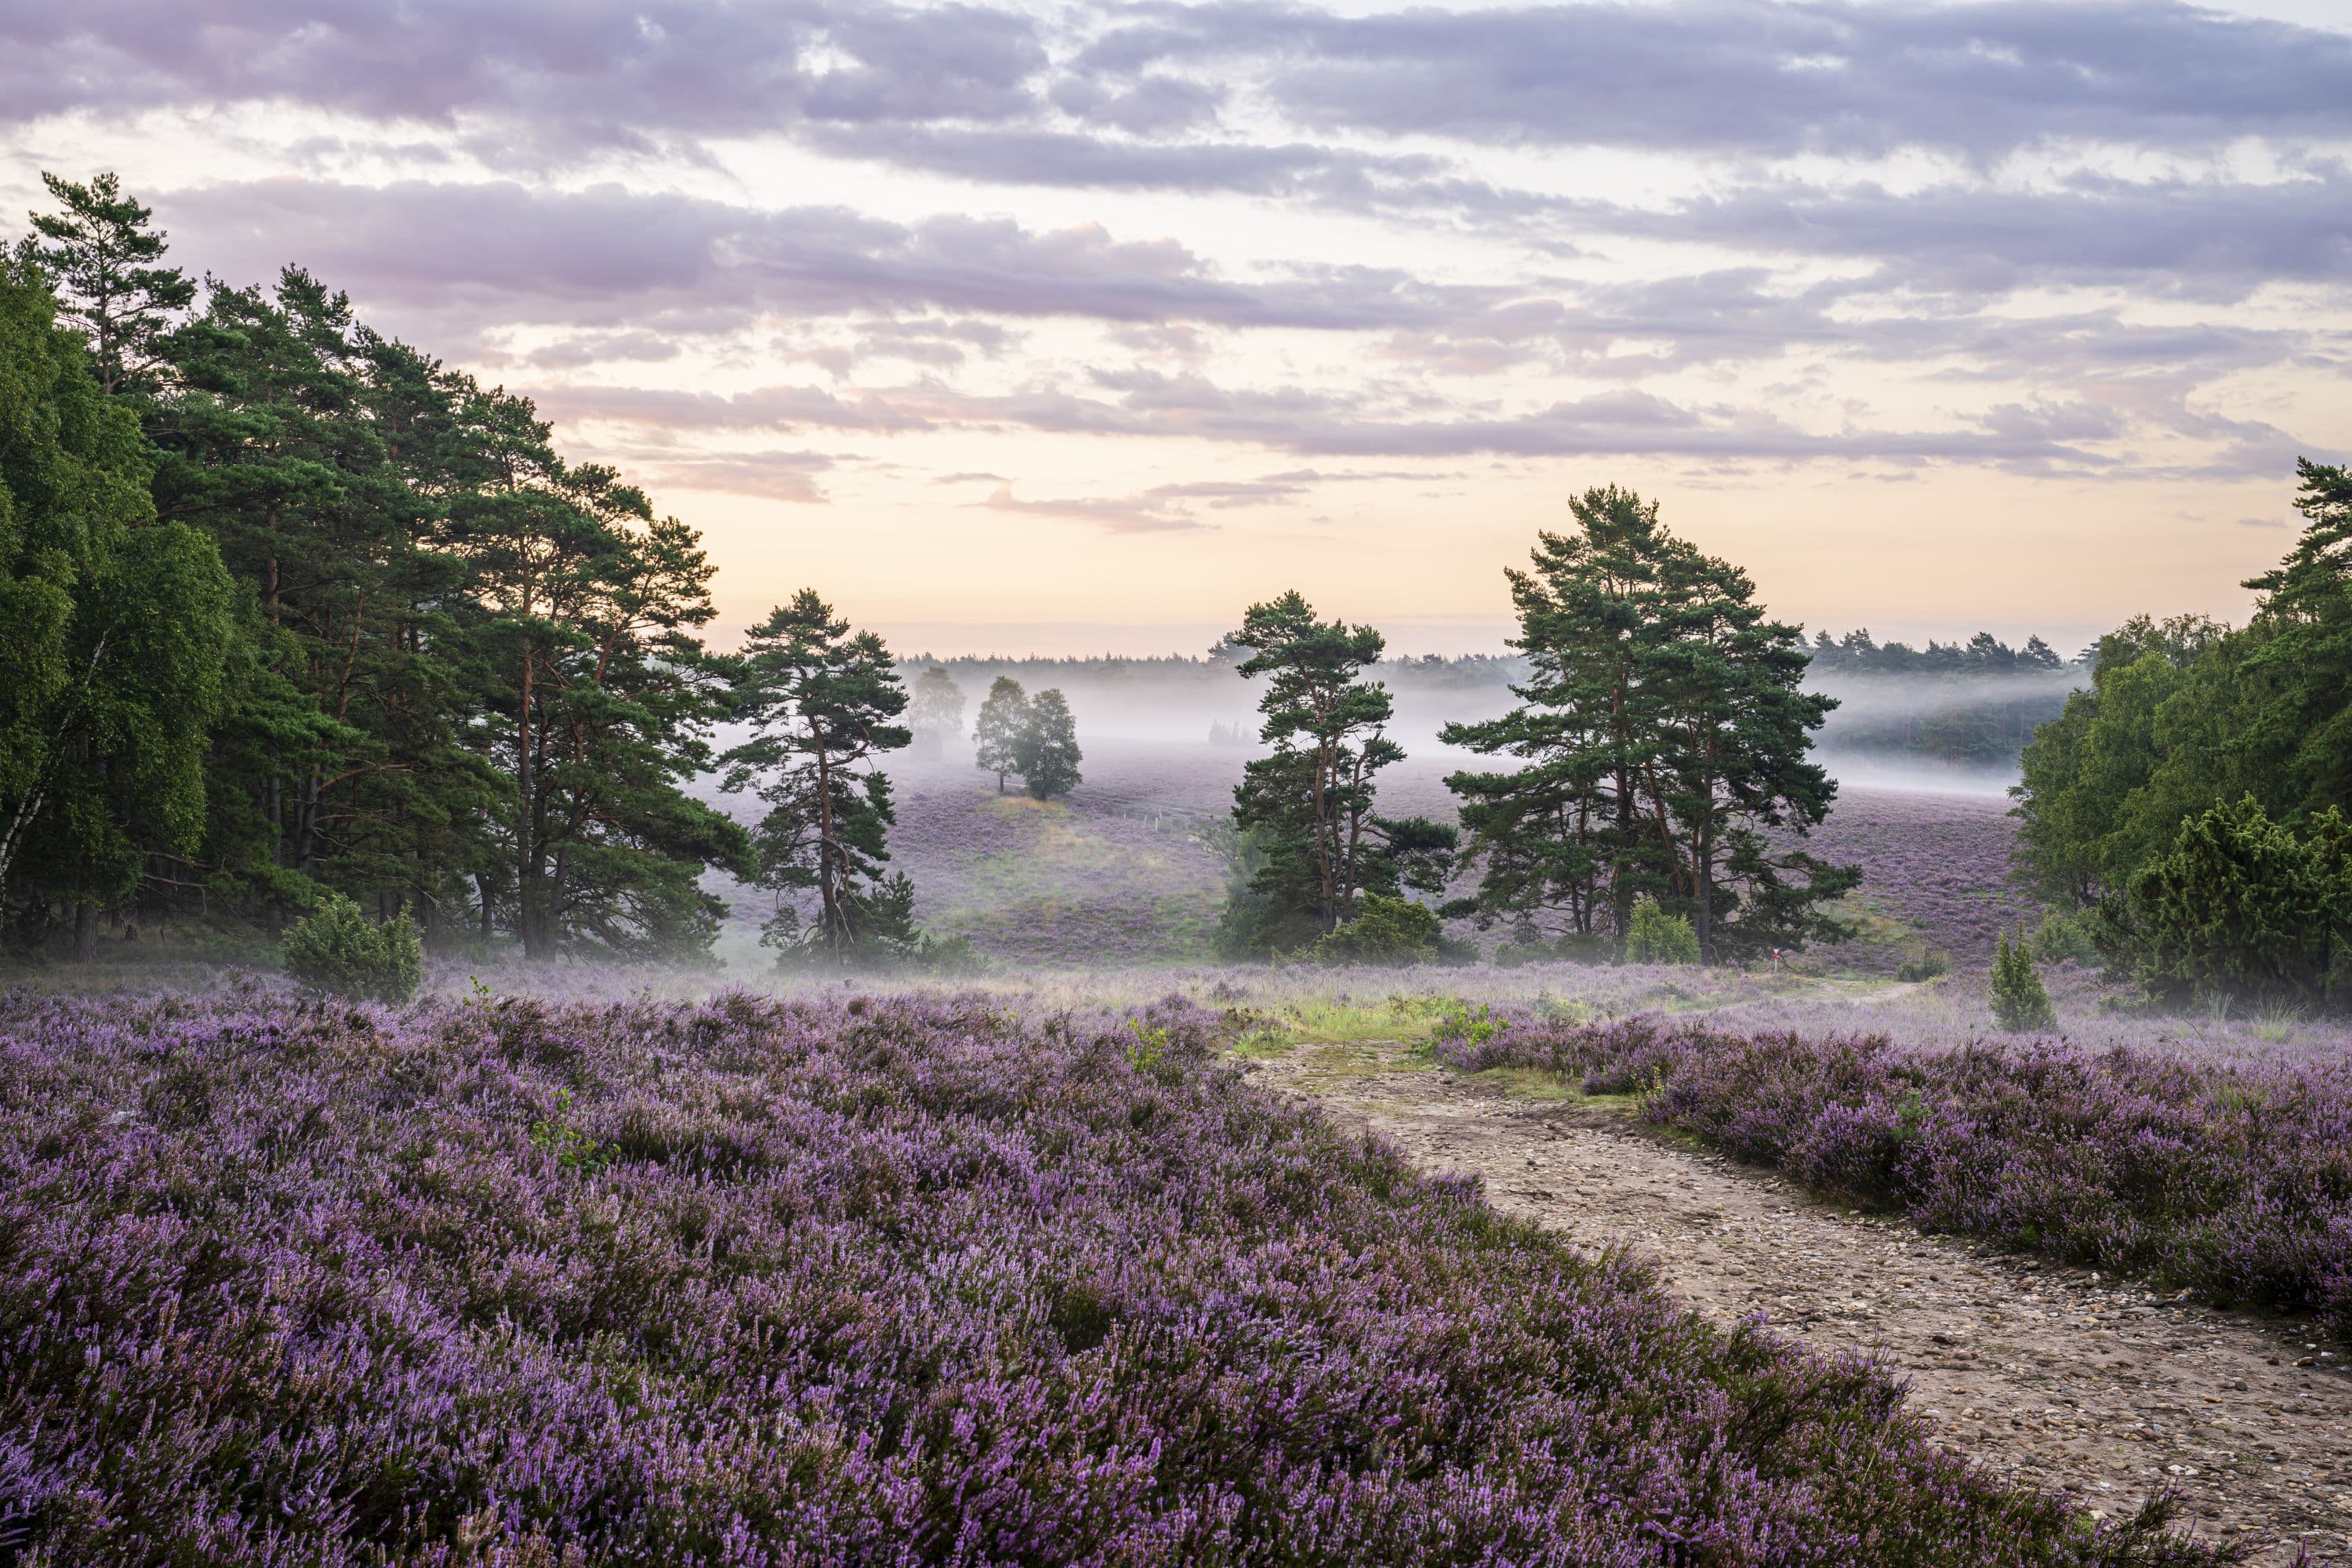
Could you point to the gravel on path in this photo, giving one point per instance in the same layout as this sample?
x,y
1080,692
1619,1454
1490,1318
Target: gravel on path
x,y
2052,1374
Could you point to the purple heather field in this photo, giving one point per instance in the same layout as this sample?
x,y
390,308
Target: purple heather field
x,y
2234,1178
872,1281
1018,1267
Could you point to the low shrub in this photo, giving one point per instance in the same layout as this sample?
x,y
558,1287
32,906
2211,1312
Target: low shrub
x,y
2067,936
2020,1001
1932,964
1383,931
1654,936
1468,1029
336,948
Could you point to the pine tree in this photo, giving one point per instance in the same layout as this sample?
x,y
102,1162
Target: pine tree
x,y
276,435
1560,839
598,696
1735,726
1309,808
822,702
1662,731
996,735
2019,1001
102,255
2304,663
1047,755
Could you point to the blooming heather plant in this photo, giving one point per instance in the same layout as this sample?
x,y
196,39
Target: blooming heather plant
x,y
2234,1178
860,1281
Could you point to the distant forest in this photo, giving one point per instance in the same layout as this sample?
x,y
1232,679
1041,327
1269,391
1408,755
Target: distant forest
x,y
1971,704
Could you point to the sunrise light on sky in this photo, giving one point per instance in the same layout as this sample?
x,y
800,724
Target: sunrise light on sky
x,y
1072,328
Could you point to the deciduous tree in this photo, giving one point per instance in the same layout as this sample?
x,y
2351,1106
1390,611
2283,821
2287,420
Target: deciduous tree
x,y
1047,755
935,713
996,735
113,629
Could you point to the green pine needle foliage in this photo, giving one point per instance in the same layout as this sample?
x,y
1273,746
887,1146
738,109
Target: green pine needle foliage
x,y
2019,1002
1384,931
337,948
2244,910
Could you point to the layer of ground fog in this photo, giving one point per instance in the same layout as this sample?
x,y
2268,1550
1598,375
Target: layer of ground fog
x,y
2091,1386
1117,873
866,1281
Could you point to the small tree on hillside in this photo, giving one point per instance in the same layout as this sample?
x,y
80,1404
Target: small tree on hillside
x,y
821,701
1047,756
1004,719
2019,1000
936,713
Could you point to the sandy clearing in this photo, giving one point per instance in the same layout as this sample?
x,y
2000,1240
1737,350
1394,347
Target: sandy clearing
x,y
2047,1373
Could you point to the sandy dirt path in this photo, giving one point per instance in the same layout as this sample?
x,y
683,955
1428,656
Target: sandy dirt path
x,y
2051,1375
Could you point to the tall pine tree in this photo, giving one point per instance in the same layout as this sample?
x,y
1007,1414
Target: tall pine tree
x,y
1309,808
105,257
822,702
1664,737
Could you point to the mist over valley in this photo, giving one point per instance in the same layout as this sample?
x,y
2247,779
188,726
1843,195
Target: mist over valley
x,y
593,972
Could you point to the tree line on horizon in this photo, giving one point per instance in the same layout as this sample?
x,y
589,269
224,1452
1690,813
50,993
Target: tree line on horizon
x,y
1969,704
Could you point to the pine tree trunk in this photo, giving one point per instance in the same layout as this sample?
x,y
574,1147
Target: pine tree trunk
x,y
85,927
1703,875
527,890
827,870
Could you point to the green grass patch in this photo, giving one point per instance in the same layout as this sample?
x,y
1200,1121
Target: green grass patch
x,y
1405,1018
1880,925
1263,1040
1531,1083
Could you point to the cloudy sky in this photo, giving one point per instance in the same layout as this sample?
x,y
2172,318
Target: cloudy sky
x,y
1076,327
